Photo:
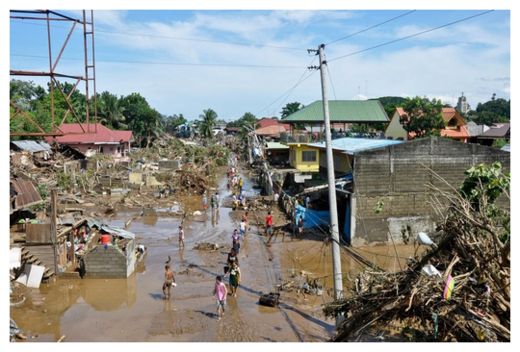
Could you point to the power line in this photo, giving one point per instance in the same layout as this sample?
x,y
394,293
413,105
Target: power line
x,y
411,35
286,97
331,83
300,80
168,63
371,27
192,39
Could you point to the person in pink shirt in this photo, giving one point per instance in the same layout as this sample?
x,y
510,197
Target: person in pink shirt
x,y
220,292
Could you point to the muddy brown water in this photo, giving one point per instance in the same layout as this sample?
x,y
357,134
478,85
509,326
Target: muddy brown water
x,y
133,309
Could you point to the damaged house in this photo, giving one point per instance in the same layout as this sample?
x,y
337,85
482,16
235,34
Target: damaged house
x,y
95,138
383,185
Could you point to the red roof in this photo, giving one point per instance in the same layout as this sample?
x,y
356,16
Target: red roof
x,y
272,130
447,115
266,122
73,134
459,133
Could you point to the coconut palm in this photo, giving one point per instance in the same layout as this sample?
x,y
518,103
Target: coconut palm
x,y
209,119
110,113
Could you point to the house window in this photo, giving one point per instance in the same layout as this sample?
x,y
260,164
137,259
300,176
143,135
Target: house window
x,y
101,150
119,150
309,156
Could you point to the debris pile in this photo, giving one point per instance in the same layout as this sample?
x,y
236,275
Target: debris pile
x,y
206,246
458,291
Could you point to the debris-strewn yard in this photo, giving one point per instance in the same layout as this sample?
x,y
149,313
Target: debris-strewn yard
x,y
458,291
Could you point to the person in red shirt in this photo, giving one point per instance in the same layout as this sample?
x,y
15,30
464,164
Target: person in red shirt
x,y
269,225
105,239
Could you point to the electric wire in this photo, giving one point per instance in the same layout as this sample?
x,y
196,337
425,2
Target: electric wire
x,y
411,35
300,80
191,39
331,83
140,62
371,27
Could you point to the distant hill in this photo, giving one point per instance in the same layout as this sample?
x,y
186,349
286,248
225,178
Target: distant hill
x,y
390,103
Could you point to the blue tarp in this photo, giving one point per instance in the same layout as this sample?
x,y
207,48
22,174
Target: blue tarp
x,y
313,218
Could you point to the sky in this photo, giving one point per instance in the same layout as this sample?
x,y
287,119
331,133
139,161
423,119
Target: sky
x,y
245,61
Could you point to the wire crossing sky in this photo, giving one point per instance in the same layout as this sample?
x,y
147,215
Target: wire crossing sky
x,y
256,61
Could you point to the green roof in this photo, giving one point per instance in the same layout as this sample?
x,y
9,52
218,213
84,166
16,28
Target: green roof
x,y
341,111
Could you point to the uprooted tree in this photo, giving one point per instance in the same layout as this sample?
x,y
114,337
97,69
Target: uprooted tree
x,y
466,297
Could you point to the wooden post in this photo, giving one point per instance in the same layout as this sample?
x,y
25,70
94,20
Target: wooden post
x,y
54,214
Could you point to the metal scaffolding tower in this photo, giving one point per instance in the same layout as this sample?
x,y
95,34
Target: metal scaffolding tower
x,y
88,76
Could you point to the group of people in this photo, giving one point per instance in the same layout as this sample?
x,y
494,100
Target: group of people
x,y
232,268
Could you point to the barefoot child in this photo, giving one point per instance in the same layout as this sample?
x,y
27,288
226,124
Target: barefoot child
x,y
181,237
220,292
169,281
234,278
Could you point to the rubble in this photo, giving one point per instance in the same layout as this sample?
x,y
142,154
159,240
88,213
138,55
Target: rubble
x,y
468,301
206,246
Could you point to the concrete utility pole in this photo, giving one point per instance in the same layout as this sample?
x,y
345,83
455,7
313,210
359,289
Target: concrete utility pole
x,y
336,259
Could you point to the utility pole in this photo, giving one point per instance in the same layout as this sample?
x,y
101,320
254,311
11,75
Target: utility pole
x,y
336,259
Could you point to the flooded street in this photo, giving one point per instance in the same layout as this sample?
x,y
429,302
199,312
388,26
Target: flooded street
x,y
133,309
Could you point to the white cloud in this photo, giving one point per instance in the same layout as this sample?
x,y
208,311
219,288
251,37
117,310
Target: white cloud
x,y
442,71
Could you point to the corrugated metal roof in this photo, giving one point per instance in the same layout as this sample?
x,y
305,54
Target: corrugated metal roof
x,y
276,145
341,111
26,193
354,145
33,146
498,130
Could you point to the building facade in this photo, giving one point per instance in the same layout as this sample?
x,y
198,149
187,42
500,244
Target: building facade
x,y
462,105
399,176
95,139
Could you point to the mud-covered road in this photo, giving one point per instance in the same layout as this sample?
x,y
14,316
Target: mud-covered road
x,y
133,309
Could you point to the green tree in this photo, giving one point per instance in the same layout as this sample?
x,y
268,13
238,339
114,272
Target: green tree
x,y
492,111
174,121
390,103
423,117
291,108
110,111
209,118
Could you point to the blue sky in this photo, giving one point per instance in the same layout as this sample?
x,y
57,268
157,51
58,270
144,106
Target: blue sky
x,y
187,61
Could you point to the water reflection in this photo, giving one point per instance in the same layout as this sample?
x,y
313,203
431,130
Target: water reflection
x,y
110,295
45,307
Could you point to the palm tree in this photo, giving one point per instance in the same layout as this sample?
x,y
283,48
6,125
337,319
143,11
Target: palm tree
x,y
209,119
110,113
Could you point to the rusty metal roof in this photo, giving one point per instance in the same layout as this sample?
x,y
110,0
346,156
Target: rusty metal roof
x,y
26,193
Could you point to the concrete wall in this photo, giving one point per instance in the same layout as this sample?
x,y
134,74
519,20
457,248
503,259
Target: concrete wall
x,y
397,176
110,262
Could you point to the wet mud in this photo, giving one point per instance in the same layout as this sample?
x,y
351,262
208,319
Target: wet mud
x,y
134,309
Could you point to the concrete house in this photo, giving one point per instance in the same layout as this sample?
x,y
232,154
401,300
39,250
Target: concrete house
x,y
115,260
304,157
94,139
397,175
455,126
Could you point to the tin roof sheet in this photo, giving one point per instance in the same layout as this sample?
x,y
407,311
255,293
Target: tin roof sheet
x,y
351,145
